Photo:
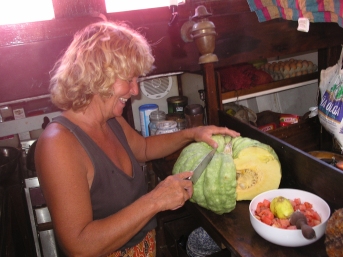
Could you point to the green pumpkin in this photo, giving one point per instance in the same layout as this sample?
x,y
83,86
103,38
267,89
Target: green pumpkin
x,y
240,169
216,188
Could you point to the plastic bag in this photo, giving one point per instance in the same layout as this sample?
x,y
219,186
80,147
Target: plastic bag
x,y
241,112
330,109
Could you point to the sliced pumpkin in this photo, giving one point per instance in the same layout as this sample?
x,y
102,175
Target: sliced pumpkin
x,y
241,169
257,171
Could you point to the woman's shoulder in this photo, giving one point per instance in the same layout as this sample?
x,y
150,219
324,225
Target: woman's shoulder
x,y
55,131
56,137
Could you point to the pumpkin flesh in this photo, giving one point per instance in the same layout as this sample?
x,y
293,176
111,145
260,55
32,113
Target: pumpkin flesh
x,y
257,171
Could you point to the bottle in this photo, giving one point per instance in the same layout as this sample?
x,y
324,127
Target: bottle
x,y
144,113
155,117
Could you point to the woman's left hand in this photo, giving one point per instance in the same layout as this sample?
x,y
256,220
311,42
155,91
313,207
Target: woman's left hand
x,y
205,133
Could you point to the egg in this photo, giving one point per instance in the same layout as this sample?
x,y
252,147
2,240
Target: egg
x,y
286,69
293,67
310,67
276,68
304,65
299,66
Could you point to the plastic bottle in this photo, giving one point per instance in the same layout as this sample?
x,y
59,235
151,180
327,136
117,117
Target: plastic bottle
x,y
144,113
155,117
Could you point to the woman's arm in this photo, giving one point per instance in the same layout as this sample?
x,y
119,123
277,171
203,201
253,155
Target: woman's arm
x,y
63,169
159,146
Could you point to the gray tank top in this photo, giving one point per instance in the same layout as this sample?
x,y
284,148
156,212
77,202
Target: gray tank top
x,y
112,189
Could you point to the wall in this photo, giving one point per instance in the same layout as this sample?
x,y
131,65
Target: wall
x,y
191,84
28,51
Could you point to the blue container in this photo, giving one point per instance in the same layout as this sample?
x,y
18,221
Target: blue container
x,y
144,113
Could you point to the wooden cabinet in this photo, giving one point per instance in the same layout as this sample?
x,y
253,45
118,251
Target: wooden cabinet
x,y
241,38
326,57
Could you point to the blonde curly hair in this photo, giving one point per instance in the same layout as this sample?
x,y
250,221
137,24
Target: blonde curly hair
x,y
98,55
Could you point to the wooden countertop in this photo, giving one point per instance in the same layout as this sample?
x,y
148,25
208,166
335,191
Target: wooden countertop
x,y
236,233
234,230
300,170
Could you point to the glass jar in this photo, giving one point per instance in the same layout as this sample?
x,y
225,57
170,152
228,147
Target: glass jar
x,y
176,104
194,114
155,117
167,126
180,120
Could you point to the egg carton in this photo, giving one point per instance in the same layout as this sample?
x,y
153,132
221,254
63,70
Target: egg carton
x,y
289,68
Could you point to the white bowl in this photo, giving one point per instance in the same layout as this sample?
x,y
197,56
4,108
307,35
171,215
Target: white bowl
x,y
286,237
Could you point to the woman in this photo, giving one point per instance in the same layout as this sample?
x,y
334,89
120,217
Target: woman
x,y
87,159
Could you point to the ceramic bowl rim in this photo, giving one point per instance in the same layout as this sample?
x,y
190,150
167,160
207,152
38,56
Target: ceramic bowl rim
x,y
301,241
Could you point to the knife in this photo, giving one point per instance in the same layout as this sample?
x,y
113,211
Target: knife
x,y
202,166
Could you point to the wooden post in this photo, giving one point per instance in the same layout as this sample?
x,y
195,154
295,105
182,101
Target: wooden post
x,y
211,94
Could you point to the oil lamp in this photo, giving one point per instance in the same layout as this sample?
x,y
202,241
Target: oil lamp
x,y
203,33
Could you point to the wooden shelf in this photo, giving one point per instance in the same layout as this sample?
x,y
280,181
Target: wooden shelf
x,y
276,86
26,124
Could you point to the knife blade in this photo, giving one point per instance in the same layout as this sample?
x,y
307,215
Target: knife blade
x,y
202,166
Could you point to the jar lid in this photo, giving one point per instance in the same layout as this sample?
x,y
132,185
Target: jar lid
x,y
194,109
177,99
167,124
157,115
147,107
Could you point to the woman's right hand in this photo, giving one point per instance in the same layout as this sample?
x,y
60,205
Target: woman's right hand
x,y
174,191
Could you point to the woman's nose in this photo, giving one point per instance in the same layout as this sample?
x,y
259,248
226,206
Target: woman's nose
x,y
134,87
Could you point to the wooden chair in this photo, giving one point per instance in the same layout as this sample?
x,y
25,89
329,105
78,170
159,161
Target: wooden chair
x,y
40,220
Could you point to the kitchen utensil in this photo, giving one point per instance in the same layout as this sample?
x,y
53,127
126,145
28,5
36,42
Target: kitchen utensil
x,y
299,220
202,166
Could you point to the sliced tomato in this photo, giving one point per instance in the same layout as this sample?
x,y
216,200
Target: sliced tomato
x,y
285,223
297,201
302,207
315,223
293,203
266,203
316,216
308,205
266,219
308,213
276,223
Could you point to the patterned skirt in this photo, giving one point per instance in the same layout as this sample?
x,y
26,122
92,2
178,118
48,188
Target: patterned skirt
x,y
146,248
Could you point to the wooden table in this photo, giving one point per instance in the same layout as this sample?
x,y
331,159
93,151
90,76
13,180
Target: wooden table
x,y
300,170
234,231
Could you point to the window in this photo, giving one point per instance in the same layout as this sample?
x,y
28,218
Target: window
x,y
127,5
20,11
